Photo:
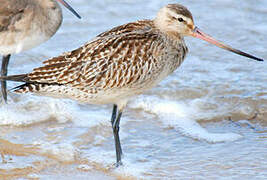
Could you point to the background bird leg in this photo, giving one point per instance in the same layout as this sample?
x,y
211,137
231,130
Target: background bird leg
x,y
5,62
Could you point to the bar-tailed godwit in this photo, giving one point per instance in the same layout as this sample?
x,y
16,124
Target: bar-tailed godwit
x,y
26,24
119,64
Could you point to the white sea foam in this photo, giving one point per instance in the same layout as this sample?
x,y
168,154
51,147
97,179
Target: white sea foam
x,y
32,109
29,109
131,165
63,151
181,116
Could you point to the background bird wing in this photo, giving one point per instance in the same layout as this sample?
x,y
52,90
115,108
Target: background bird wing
x,y
11,12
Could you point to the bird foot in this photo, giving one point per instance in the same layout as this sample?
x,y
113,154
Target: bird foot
x,y
117,164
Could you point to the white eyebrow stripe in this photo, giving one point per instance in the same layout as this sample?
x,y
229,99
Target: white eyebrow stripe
x,y
173,14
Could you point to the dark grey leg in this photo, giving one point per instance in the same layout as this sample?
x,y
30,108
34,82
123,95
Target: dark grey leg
x,y
5,62
115,121
114,113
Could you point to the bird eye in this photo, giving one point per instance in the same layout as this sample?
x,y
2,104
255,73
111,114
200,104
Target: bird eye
x,y
180,19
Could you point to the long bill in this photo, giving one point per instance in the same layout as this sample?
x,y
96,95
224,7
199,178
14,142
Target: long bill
x,y
201,35
64,3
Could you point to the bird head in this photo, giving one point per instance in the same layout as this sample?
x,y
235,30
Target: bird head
x,y
177,21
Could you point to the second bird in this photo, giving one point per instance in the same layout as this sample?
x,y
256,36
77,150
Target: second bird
x,y
24,24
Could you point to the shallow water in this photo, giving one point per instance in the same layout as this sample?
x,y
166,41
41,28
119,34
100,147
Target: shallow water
x,y
205,121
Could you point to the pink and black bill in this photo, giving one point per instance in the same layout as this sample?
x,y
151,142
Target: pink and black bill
x,y
201,35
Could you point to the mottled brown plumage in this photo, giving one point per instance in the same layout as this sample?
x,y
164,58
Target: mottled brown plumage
x,y
125,61
119,63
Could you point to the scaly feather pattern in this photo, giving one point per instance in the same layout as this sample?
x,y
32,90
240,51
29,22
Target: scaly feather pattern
x,y
125,61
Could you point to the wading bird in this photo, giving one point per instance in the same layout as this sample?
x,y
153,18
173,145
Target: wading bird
x,y
24,24
119,64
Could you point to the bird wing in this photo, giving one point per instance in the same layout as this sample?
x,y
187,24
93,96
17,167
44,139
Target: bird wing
x,y
111,60
11,12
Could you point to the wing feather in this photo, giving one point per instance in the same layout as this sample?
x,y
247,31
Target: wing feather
x,y
112,60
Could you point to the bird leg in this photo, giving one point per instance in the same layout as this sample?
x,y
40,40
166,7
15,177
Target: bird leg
x,y
5,62
114,113
115,122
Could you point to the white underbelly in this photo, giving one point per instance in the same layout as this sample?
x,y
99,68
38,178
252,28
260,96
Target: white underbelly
x,y
16,43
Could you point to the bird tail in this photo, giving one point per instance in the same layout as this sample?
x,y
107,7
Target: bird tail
x,y
28,85
17,78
